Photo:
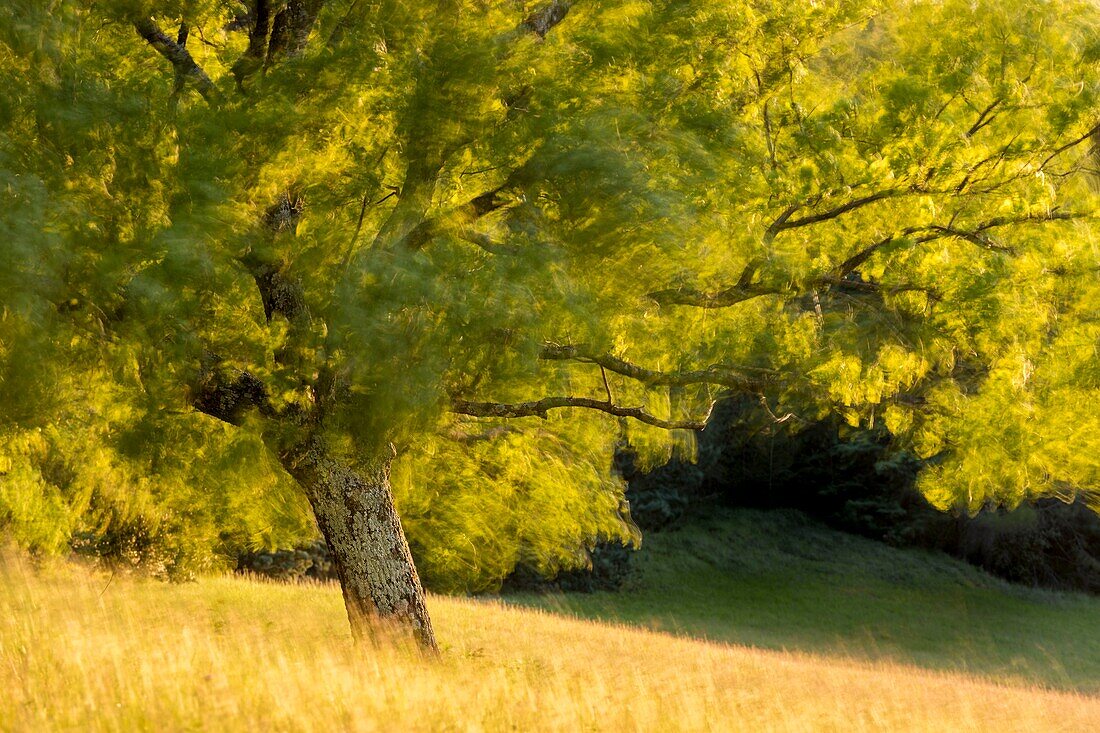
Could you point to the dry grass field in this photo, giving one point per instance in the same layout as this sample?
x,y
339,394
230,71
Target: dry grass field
x,y
80,650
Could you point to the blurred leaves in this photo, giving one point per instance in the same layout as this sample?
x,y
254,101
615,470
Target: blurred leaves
x,y
470,191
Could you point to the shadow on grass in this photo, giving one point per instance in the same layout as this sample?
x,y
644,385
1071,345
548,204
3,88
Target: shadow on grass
x,y
779,580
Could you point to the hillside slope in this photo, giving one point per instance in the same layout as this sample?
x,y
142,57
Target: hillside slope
x,y
779,580
82,650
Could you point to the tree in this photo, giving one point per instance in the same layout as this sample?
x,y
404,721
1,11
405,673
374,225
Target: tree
x,y
363,231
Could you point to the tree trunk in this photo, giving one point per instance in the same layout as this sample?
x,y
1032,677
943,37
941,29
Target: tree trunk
x,y
356,514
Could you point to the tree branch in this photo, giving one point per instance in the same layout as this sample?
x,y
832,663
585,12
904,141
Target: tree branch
x,y
291,28
540,408
985,118
974,237
178,55
485,242
721,299
229,395
543,20
279,293
785,222
259,32
274,32
975,234
1053,215
1090,135
849,285
460,220
850,265
724,376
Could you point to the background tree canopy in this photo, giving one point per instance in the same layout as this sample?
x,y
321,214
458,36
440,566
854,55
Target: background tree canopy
x,y
496,239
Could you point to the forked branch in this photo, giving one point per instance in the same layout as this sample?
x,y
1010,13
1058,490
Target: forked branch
x,y
175,51
977,234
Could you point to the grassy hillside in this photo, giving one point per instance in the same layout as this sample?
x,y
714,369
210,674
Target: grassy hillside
x,y
779,580
80,650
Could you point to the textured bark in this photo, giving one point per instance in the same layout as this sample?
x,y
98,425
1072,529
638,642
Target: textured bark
x,y
228,394
258,33
356,514
187,71
543,20
291,28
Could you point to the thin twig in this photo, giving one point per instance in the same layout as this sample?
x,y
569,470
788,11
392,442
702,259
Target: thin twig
x,y
606,386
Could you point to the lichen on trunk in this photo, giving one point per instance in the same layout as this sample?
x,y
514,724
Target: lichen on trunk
x,y
356,514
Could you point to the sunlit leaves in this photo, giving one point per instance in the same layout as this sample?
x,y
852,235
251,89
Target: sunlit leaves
x,y
901,187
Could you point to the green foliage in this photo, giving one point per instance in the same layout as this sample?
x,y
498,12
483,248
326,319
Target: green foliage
x,y
184,502
888,205
476,502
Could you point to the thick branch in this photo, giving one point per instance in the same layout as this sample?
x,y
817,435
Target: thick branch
x,y
850,285
485,242
276,30
1053,215
252,59
178,55
850,265
1090,135
460,221
229,395
280,294
489,201
543,20
291,28
743,290
975,234
540,408
785,222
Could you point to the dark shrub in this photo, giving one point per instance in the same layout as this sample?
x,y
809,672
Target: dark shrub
x,y
854,480
1049,543
136,543
609,568
310,561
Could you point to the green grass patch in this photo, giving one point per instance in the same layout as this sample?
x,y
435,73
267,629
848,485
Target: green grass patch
x,y
779,580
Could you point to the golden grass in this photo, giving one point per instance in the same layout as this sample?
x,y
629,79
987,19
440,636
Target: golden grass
x,y
233,654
